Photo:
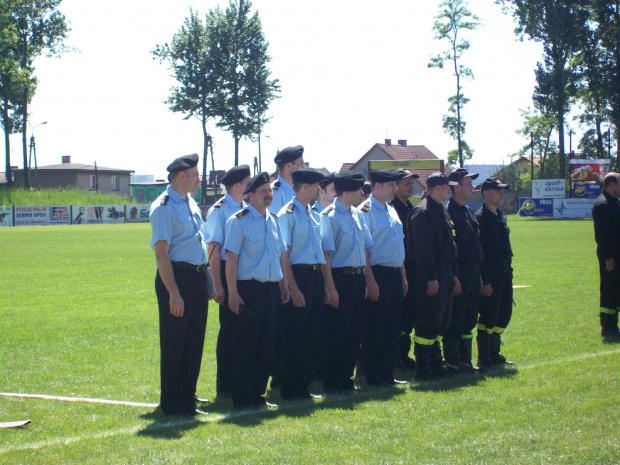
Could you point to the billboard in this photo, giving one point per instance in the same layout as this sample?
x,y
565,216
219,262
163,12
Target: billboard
x,y
585,190
42,215
138,213
535,207
97,214
548,189
573,208
589,170
6,216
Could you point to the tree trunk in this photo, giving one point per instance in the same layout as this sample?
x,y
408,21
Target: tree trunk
x,y
7,143
205,147
562,160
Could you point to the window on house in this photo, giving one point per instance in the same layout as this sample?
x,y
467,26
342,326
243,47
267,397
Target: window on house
x,y
93,182
114,183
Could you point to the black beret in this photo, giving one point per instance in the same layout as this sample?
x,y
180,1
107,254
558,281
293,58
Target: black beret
x,y
408,174
307,175
288,154
349,181
490,183
235,174
366,188
256,182
183,163
437,179
461,173
385,175
326,181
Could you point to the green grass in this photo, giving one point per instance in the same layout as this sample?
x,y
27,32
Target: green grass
x,y
60,196
78,318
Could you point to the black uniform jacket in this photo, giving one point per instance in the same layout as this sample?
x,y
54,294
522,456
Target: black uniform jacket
x,y
404,211
606,216
430,240
466,229
495,242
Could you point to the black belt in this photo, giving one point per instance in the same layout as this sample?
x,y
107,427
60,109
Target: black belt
x,y
192,267
353,270
316,266
387,267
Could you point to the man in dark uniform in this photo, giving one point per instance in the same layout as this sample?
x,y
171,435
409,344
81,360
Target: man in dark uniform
x,y
496,272
606,216
288,161
234,181
403,207
254,249
458,341
434,251
299,320
180,285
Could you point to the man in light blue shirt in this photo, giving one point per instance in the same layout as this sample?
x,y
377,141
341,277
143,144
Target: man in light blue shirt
x,y
345,240
327,194
386,278
254,249
234,181
288,161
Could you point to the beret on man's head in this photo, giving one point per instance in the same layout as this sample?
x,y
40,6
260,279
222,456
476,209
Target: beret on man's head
x,y
235,174
437,179
490,183
326,181
289,154
256,182
183,163
461,173
349,181
408,174
307,176
386,175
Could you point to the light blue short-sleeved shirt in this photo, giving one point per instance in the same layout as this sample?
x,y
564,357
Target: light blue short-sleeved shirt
x,y
344,235
216,220
387,234
178,221
258,242
300,228
283,193
318,207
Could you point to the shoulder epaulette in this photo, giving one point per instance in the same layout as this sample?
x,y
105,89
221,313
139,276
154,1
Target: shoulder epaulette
x,y
274,214
366,206
242,213
327,210
276,185
219,203
164,201
315,209
290,207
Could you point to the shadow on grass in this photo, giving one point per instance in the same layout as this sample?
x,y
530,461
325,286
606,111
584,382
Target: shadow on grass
x,y
167,427
459,382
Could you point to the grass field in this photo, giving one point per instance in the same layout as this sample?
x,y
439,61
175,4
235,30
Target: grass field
x,y
78,318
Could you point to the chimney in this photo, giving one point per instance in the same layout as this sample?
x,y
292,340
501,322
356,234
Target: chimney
x,y
66,159
388,142
402,142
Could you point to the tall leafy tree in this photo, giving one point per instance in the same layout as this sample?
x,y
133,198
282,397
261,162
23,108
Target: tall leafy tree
x,y
193,61
560,26
453,19
537,129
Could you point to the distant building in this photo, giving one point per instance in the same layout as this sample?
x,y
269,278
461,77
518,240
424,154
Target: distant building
x,y
484,171
86,177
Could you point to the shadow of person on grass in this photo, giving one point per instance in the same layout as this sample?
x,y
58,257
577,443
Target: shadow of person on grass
x,y
167,426
461,381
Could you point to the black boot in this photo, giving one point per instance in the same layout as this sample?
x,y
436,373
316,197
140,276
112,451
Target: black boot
x,y
484,360
453,357
495,346
423,363
437,360
403,346
609,326
465,354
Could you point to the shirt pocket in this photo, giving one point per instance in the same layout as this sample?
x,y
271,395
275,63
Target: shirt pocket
x,y
183,216
256,242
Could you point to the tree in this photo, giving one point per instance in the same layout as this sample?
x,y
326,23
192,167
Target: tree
x,y
537,129
454,18
560,26
193,63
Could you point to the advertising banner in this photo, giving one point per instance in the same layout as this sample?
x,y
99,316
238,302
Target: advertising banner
x,y
535,207
98,214
6,216
589,170
138,213
573,208
548,189
585,190
42,215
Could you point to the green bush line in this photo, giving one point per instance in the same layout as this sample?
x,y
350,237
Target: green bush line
x,y
60,196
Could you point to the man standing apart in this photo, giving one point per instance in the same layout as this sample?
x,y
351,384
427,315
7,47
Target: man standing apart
x,y
180,285
288,161
234,181
496,271
254,261
345,240
402,205
299,319
606,216
434,251
458,341
385,280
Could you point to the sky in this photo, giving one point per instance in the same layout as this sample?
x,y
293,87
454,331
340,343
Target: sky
x,y
352,73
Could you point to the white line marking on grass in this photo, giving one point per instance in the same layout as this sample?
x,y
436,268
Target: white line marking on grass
x,y
519,287
79,399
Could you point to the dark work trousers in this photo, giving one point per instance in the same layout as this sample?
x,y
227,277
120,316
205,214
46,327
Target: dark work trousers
x,y
181,340
223,351
343,330
382,321
496,311
465,306
299,327
610,287
409,302
253,335
433,313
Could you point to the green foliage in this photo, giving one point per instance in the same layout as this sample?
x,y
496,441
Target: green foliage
x,y
537,129
66,196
